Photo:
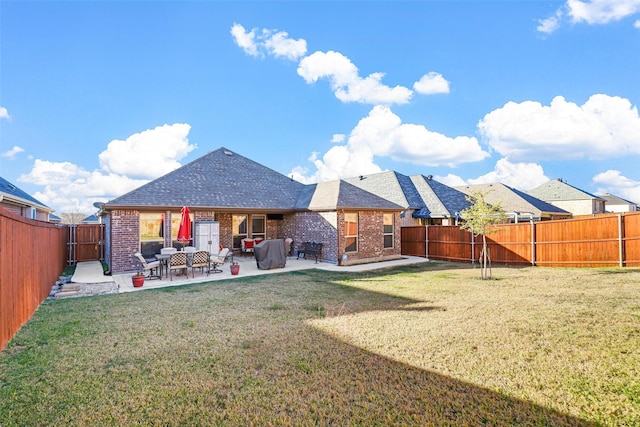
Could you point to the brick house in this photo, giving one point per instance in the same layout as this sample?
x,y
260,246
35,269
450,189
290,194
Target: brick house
x,y
19,202
247,199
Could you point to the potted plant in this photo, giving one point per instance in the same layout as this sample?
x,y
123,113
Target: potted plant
x,y
235,268
138,279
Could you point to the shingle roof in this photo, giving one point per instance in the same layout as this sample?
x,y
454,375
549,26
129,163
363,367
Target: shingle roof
x,y
13,192
612,199
512,200
557,189
389,185
219,179
440,199
339,194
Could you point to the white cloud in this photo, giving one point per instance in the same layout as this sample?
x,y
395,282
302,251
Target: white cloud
x,y
523,176
601,11
148,154
272,42
246,40
603,127
338,138
613,182
125,165
591,12
4,113
637,24
347,85
451,180
383,134
11,154
431,83
550,24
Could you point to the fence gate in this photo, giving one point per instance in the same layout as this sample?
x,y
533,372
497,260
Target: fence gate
x,y
85,243
414,241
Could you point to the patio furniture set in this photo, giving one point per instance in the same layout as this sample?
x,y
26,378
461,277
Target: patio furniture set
x,y
170,259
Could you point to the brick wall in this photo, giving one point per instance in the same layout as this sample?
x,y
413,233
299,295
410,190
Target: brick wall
x,y
370,239
125,240
320,227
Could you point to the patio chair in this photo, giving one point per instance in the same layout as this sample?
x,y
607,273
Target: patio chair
x,y
151,266
247,246
200,260
178,261
219,259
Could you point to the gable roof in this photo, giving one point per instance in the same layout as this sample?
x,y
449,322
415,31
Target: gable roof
x,y
513,200
220,179
557,189
428,198
11,193
339,194
390,185
611,199
440,200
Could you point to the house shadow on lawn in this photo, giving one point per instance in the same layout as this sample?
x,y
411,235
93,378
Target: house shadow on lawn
x,y
245,353
338,383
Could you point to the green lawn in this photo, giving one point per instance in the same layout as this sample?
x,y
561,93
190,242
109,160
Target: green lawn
x,y
422,345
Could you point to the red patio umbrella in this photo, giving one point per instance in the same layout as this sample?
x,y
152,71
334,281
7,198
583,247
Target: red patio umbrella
x,y
184,232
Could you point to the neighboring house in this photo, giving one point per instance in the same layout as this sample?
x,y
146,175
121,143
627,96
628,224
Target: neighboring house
x,y
618,204
425,201
518,205
247,199
17,201
91,219
55,219
567,197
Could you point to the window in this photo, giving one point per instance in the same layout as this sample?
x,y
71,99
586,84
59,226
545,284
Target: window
x,y
151,229
258,227
388,230
351,232
239,225
34,213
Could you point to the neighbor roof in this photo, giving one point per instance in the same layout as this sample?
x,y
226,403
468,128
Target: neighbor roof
x,y
12,193
218,180
427,197
513,200
390,185
615,200
557,189
440,200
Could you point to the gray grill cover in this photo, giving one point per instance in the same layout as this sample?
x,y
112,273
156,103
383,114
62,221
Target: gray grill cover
x,y
270,254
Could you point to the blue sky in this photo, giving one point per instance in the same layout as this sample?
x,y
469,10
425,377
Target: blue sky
x,y
99,97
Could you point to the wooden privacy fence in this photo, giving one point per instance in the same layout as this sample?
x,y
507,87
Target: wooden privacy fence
x,y
605,240
32,257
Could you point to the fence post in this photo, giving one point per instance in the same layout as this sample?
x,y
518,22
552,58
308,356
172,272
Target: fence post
x,y
426,242
620,242
473,249
533,242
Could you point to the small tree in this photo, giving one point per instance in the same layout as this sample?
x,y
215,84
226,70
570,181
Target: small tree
x,y
478,219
